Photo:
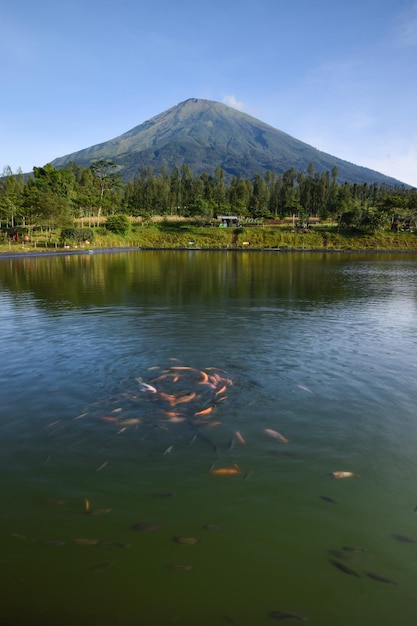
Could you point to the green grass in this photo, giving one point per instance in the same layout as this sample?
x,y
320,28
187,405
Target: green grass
x,y
181,234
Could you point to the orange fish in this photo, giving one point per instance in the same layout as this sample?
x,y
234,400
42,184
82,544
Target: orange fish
x,y
225,471
186,398
204,377
168,398
204,411
161,377
221,390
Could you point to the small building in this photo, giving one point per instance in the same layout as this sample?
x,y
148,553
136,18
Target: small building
x,y
228,220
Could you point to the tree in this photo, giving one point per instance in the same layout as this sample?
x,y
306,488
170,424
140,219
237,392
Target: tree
x,y
107,179
259,202
11,196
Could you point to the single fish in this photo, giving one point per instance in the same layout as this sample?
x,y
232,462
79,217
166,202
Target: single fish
x,y
380,579
404,538
144,527
344,475
221,390
86,505
178,567
186,541
275,435
198,434
145,386
100,511
168,450
327,499
225,471
130,421
204,411
239,437
162,377
185,398
204,377
81,416
339,554
176,419
303,388
283,616
100,566
86,542
343,568
353,549
168,397
221,399
212,527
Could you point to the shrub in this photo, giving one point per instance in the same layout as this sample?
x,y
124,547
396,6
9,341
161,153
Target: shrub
x,y
119,224
76,235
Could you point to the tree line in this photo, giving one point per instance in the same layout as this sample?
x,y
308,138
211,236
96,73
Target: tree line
x,y
51,198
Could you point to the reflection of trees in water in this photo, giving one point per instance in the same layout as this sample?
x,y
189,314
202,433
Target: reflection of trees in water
x,y
166,278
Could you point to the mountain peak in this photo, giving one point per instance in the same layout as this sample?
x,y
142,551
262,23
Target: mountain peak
x,y
204,135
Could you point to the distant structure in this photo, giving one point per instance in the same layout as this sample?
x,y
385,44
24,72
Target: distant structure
x,y
228,220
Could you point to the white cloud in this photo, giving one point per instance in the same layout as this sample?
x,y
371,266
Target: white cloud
x,y
231,101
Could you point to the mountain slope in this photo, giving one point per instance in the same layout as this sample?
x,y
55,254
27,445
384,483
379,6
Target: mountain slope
x,y
204,135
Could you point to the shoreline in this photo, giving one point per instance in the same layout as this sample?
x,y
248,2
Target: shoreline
x,y
92,251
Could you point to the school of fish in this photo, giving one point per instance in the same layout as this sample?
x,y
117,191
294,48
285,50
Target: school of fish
x,y
192,397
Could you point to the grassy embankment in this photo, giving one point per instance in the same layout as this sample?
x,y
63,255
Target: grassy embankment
x,y
183,234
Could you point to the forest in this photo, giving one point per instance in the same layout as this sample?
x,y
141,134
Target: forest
x,y
51,198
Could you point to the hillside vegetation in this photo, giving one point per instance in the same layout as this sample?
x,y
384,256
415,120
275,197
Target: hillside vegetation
x,y
74,205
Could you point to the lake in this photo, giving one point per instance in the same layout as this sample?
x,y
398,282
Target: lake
x,y
171,422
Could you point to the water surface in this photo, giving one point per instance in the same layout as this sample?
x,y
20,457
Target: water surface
x,y
318,347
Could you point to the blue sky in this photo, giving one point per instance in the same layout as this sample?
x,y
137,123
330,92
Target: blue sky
x,y
340,76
